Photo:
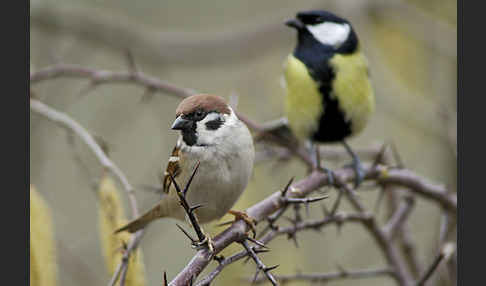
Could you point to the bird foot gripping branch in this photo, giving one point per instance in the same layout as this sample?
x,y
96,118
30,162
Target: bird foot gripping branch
x,y
242,215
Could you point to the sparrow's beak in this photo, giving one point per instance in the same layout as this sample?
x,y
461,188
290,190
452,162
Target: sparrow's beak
x,y
295,23
180,123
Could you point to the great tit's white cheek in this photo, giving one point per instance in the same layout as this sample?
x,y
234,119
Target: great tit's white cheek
x,y
329,33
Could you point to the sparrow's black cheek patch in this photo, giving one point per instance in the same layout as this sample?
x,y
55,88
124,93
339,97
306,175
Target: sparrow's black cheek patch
x,y
214,124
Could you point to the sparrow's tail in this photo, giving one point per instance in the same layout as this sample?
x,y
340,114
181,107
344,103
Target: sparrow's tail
x,y
156,212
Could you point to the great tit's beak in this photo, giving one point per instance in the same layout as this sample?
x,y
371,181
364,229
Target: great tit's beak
x,y
295,23
180,123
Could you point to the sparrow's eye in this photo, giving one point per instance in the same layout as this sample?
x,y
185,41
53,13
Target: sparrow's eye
x,y
199,114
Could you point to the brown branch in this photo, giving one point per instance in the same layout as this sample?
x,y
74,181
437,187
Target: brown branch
x,y
97,77
237,232
396,197
190,209
338,218
390,252
260,266
326,277
315,180
399,217
445,253
67,122
418,185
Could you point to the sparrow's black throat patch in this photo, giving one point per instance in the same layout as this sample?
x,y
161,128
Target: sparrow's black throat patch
x,y
189,134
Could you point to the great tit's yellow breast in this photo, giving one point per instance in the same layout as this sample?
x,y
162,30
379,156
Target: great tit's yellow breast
x,y
303,103
352,88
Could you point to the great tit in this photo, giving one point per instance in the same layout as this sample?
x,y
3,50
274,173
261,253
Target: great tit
x,y
329,93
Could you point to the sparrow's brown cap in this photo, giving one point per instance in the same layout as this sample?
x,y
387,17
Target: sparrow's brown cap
x,y
205,102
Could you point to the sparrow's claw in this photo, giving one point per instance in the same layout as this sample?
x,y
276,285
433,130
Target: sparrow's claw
x,y
239,215
207,242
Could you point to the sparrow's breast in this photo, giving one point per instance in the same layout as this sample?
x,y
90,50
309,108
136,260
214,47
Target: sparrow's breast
x,y
222,176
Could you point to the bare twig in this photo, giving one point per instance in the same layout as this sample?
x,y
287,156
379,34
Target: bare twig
x,y
260,266
67,122
401,274
445,253
396,195
152,84
398,218
315,180
190,209
273,206
326,277
98,77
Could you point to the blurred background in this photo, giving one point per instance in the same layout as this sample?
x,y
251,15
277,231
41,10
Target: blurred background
x,y
224,48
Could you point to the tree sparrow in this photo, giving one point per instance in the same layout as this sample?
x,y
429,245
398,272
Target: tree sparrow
x,y
212,135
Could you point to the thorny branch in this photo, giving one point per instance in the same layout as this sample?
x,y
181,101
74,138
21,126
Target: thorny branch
x,y
273,207
67,122
190,209
326,277
445,253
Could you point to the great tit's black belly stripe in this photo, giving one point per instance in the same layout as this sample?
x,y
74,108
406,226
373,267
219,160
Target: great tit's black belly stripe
x,y
333,126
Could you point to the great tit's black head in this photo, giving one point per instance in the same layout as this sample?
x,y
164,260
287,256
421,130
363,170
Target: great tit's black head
x,y
325,28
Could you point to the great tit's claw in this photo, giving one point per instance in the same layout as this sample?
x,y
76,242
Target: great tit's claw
x,y
330,176
359,172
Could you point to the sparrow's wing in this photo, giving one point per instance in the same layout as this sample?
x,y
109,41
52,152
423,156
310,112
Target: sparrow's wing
x,y
173,167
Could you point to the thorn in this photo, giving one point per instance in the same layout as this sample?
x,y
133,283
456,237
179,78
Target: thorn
x,y
256,276
304,200
259,243
165,280
219,258
396,155
261,250
147,95
271,268
174,182
186,233
379,156
191,282
341,269
190,179
132,67
337,203
293,236
195,207
284,192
